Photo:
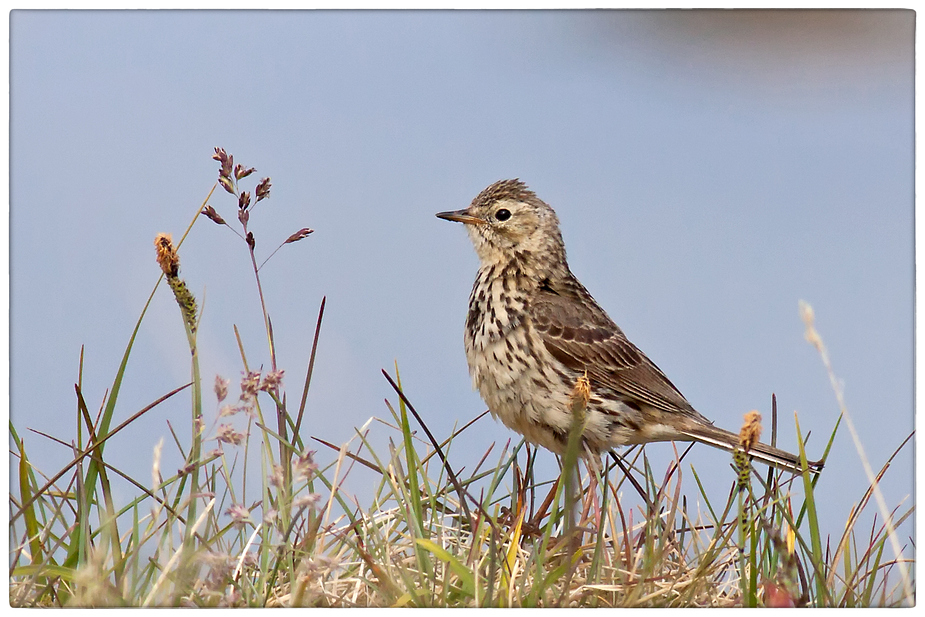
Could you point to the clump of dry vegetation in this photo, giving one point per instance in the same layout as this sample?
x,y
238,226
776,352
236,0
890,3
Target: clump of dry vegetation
x,y
608,534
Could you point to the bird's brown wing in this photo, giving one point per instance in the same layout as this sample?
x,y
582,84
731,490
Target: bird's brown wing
x,y
578,333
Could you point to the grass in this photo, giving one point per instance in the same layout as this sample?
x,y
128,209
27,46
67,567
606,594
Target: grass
x,y
618,533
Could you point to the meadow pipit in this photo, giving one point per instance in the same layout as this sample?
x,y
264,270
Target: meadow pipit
x,y
533,330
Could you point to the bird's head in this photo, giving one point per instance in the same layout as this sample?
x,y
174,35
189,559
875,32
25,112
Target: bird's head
x,y
507,221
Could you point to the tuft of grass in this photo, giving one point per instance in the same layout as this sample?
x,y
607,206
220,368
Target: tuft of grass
x,y
256,518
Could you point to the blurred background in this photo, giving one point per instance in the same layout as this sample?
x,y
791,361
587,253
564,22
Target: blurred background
x,y
710,169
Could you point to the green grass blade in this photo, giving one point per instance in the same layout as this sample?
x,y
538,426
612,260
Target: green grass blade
x,y
465,574
822,594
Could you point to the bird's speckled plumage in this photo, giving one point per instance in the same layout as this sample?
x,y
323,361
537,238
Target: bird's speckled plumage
x,y
533,329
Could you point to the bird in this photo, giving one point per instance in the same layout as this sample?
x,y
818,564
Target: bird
x,y
533,330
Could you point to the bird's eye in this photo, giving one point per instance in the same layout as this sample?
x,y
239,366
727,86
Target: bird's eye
x,y
503,214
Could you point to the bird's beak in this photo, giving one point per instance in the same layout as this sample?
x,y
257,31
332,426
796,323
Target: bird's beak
x,y
460,216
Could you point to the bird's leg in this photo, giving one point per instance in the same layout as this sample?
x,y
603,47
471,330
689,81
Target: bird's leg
x,y
591,499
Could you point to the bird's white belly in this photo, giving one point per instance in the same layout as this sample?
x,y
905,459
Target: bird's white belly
x,y
526,398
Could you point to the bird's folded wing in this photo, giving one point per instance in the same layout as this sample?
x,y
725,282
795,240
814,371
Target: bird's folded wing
x,y
581,336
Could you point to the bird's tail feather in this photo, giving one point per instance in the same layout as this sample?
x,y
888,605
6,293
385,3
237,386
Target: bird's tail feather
x,y
726,440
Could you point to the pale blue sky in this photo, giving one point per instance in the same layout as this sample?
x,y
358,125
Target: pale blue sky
x,y
709,170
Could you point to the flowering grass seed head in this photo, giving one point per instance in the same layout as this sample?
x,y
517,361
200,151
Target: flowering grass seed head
x,y
228,434
212,214
241,172
273,379
304,465
750,432
221,387
244,200
748,437
239,514
250,385
167,257
581,393
169,262
277,478
299,235
309,501
263,189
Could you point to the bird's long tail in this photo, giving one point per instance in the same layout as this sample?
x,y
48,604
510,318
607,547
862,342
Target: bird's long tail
x,y
726,440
